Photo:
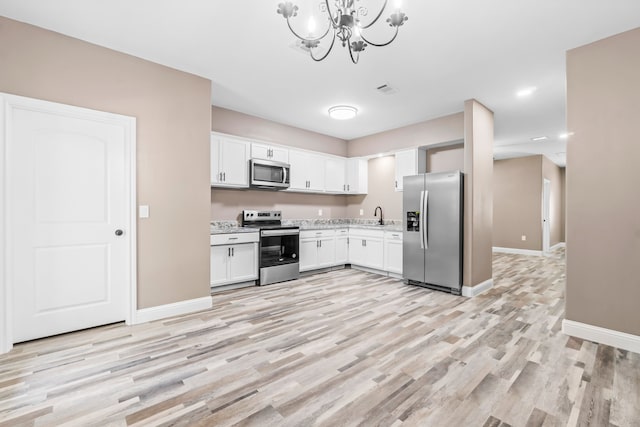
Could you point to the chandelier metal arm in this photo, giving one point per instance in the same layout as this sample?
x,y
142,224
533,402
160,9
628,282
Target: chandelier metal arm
x,y
308,39
380,44
357,57
384,6
334,22
333,40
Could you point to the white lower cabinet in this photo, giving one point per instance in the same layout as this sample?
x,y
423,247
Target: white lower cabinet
x,y
234,258
393,252
342,246
317,249
366,248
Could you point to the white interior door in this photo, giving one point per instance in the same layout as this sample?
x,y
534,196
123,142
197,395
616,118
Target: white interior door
x,y
68,207
546,209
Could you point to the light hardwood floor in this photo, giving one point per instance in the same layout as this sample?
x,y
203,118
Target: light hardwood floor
x,y
340,348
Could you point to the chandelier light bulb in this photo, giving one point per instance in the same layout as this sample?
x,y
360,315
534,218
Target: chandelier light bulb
x,y
311,26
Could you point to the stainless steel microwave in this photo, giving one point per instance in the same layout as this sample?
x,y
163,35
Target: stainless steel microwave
x,y
270,175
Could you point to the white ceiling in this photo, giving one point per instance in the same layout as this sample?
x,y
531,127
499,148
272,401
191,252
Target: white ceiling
x,y
447,52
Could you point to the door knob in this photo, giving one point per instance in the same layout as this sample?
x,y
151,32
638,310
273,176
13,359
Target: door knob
x,y
119,232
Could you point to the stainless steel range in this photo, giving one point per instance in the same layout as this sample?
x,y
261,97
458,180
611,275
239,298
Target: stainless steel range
x,y
279,246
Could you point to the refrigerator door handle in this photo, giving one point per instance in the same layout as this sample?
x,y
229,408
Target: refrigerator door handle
x,y
421,220
425,219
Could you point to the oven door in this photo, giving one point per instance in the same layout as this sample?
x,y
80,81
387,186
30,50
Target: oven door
x,y
268,174
279,247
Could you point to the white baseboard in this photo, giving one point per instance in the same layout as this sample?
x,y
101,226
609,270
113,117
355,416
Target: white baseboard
x,y
601,335
175,309
558,246
472,291
517,251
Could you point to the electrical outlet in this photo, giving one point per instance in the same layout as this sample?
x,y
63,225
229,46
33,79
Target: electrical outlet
x,y
361,212
524,237
319,212
143,211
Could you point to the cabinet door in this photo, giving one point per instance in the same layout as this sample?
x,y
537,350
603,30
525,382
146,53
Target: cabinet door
x,y
308,254
357,251
219,265
216,173
260,151
406,162
243,263
342,250
374,253
357,176
269,152
335,180
393,256
298,162
279,154
234,155
327,252
315,172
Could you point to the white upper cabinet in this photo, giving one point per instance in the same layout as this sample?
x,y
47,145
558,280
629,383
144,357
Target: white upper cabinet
x,y
357,176
409,162
269,152
335,170
307,171
229,161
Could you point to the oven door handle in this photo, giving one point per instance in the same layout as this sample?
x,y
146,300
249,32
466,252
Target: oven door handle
x,y
267,233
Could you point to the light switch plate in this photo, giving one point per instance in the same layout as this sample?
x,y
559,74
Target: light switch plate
x,y
361,212
143,211
319,212
524,237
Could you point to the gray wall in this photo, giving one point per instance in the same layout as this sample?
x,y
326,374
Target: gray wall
x,y
517,203
602,199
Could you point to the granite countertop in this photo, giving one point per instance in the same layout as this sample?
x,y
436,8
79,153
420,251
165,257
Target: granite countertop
x,y
232,229
386,227
227,227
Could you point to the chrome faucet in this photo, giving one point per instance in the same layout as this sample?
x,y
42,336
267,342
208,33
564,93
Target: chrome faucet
x,y
375,213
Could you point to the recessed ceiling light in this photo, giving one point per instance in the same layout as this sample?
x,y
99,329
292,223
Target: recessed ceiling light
x,y
526,92
539,138
565,135
343,112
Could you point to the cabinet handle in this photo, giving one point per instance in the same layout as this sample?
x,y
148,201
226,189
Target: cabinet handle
x,y
228,251
233,251
320,241
224,176
396,184
348,187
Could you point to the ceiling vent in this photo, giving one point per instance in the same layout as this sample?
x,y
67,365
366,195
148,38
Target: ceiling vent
x,y
386,89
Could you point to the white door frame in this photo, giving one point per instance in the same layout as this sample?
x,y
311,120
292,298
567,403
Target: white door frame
x,y
8,103
546,215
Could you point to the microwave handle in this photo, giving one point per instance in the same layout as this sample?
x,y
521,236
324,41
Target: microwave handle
x,y
284,175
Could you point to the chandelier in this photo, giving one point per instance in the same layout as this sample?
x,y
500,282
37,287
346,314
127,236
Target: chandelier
x,y
345,22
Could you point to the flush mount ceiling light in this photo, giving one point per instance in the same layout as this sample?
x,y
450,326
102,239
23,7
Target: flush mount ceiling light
x,y
345,22
540,138
342,112
523,93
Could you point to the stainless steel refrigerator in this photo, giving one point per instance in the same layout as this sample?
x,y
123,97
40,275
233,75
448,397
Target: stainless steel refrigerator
x,y
432,236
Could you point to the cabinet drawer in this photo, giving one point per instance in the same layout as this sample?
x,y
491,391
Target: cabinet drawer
x,y
393,235
363,232
233,238
316,234
342,232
